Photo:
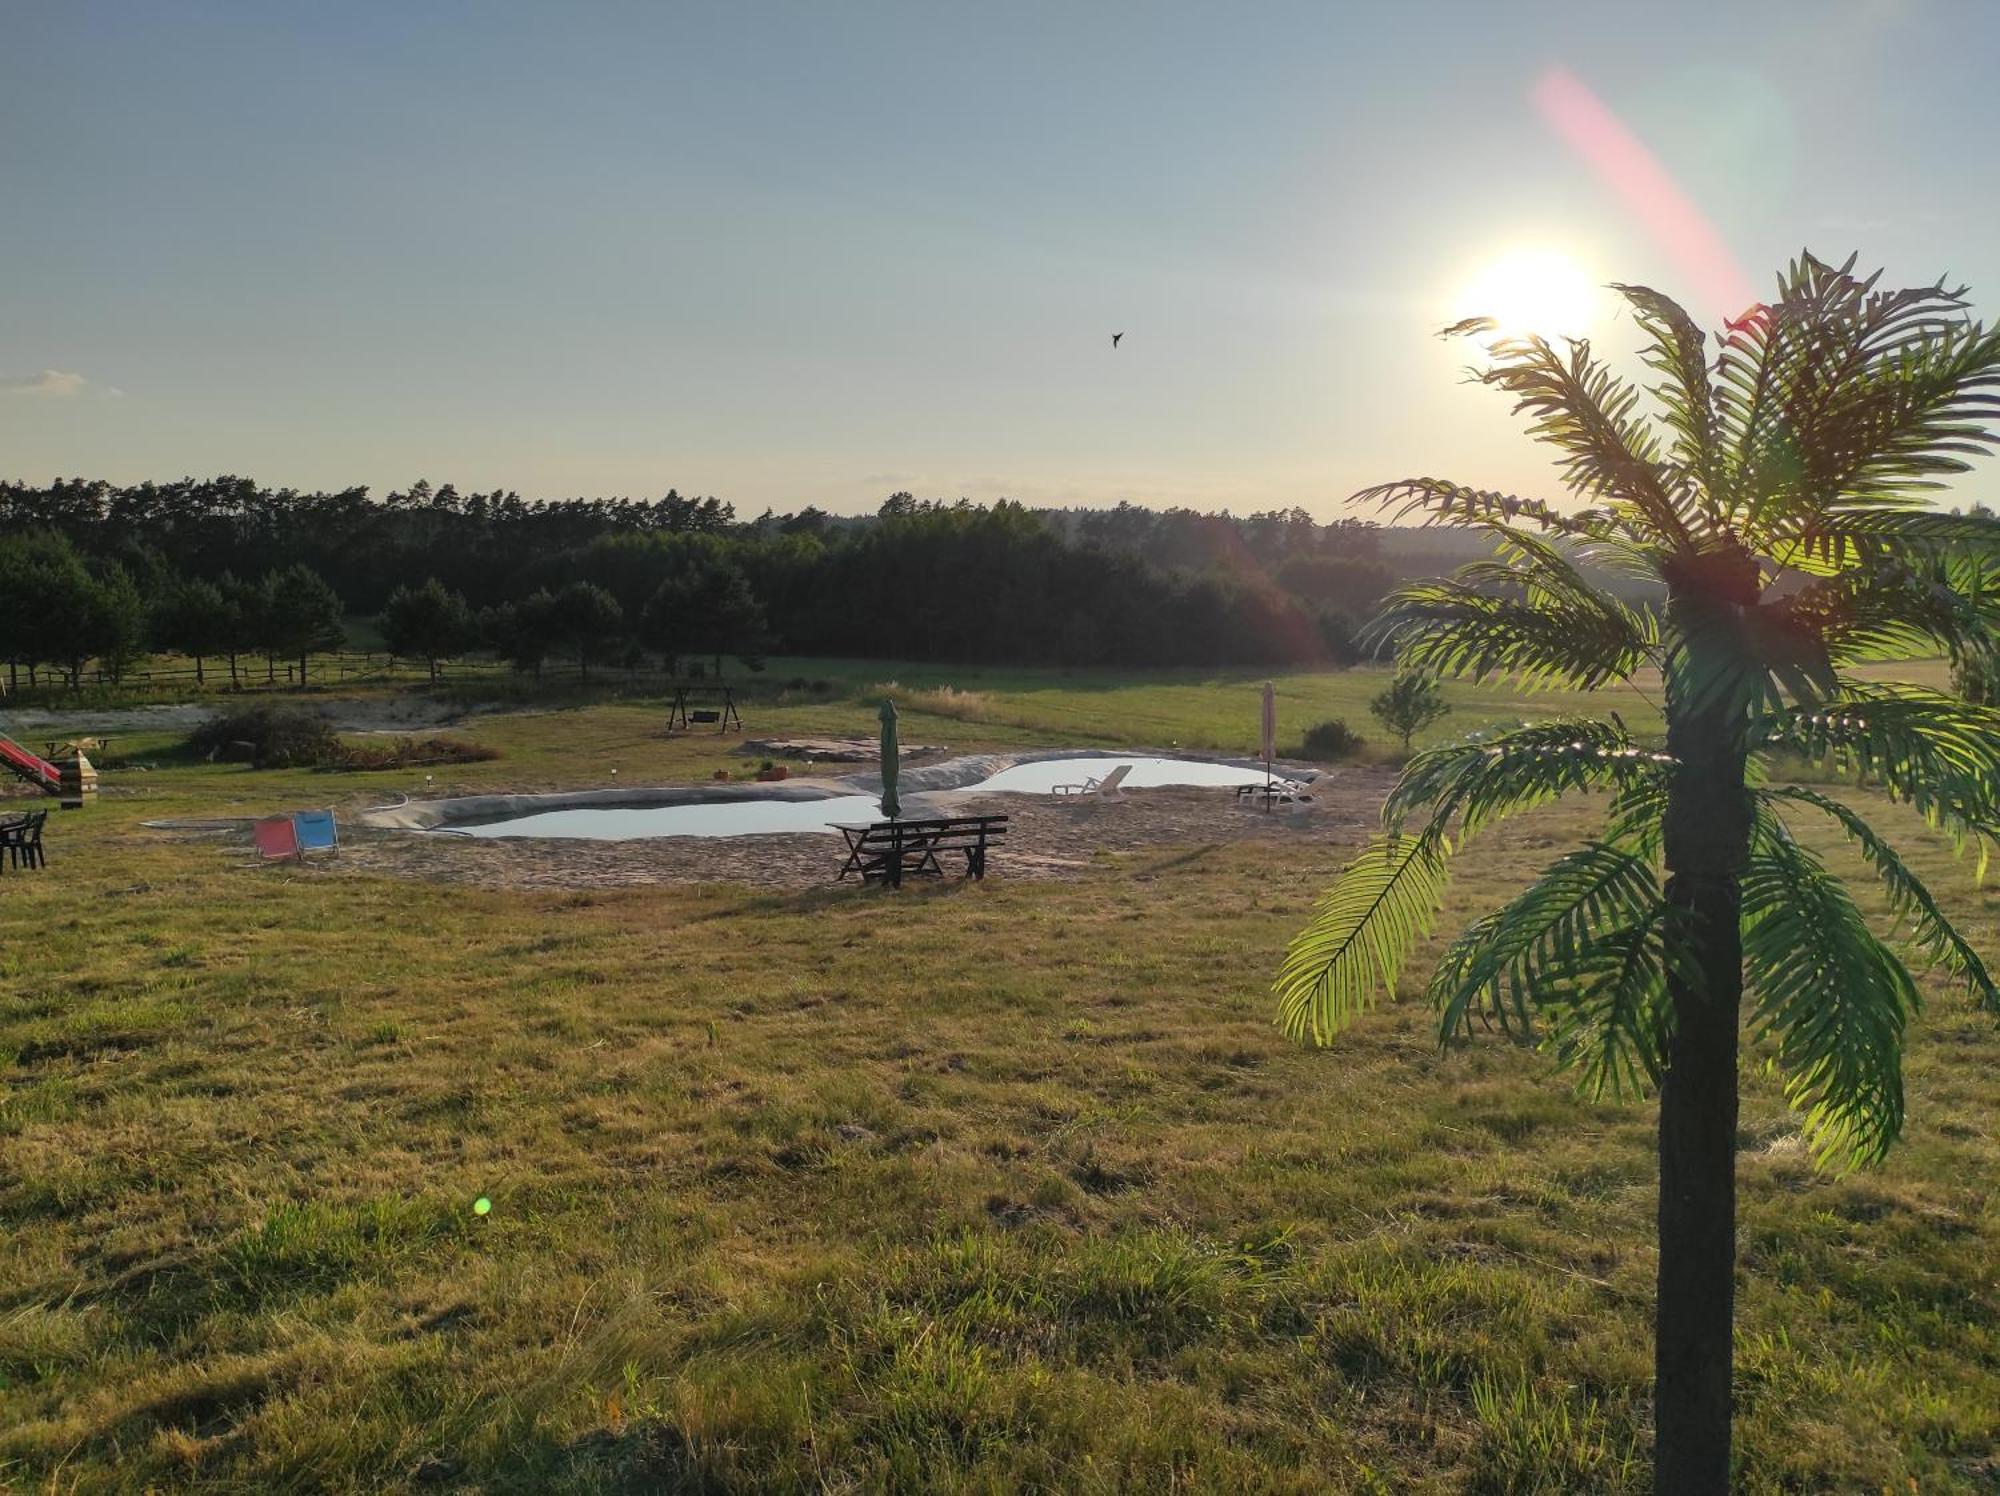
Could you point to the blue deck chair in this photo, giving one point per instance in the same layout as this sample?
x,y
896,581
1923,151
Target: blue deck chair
x,y
315,831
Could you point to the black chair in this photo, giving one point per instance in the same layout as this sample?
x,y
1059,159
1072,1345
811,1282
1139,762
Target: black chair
x,y
22,840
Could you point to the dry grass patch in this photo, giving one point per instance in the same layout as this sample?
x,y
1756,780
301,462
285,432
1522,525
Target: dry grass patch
x,y
974,1188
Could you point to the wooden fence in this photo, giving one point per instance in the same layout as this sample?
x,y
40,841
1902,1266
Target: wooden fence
x,y
326,669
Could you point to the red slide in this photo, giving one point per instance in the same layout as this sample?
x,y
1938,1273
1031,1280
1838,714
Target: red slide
x,y
37,771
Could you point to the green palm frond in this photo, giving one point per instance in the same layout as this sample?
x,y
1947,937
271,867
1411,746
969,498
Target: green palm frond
x,y
1792,654
1725,659
1831,540
1501,771
1542,952
1480,627
1444,502
1353,949
1839,391
1549,569
1765,365
1612,1023
1934,751
1914,420
1590,416
1899,606
1678,352
1833,998
1930,931
1387,899
1637,813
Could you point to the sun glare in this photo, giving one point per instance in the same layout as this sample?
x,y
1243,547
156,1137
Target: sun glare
x,y
1541,291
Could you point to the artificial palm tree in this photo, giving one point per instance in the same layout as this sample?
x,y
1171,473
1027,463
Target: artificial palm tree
x,y
1777,504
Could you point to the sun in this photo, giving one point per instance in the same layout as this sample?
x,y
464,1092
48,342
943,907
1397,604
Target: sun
x,y
1529,290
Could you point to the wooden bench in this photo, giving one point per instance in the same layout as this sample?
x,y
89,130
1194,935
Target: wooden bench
x,y
884,851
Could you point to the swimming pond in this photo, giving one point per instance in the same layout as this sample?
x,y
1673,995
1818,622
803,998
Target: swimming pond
x,y
1041,776
767,816
715,818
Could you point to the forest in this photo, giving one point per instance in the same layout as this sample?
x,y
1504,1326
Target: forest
x,y
223,569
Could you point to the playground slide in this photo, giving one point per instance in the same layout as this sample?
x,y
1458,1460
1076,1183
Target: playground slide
x,y
37,771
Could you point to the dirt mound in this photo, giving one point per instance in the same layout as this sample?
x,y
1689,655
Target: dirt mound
x,y
831,750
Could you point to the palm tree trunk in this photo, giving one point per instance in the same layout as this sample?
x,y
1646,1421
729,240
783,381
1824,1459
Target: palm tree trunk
x,y
1694,1334
1706,844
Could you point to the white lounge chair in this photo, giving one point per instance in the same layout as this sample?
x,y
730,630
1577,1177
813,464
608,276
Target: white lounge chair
x,y
1277,792
1104,789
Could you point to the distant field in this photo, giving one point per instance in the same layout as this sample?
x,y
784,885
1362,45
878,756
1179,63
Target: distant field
x,y
1217,709
1213,709
982,1188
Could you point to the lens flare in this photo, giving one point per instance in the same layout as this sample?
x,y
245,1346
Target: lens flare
x,y
1623,163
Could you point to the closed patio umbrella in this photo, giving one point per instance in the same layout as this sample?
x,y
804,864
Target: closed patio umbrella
x,y
1270,745
892,762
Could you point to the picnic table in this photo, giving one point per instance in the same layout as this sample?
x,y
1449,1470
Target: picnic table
x,y
60,747
883,851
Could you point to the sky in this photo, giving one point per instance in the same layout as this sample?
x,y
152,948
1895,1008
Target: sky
x,y
817,253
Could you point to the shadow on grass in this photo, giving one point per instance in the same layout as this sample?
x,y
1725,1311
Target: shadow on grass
x,y
836,894
299,1250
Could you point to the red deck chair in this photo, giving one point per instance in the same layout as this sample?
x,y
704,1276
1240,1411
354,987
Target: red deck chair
x,y
277,838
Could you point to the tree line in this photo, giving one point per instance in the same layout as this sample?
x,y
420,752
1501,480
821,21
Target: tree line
x,y
224,569
61,609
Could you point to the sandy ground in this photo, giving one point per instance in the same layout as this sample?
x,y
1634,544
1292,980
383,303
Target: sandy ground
x,y
1045,839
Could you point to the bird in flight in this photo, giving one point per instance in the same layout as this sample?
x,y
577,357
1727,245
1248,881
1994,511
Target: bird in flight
x,y
1115,337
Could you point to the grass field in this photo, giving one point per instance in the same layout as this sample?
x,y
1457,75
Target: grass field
x,y
992,1187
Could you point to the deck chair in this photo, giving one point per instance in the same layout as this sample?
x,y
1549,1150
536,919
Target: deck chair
x,y
315,831
277,838
1104,789
1277,792
21,840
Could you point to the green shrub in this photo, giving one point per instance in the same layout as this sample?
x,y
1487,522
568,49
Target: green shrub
x,y
407,753
268,737
1329,742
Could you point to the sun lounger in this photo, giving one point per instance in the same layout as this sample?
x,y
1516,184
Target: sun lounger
x,y
1277,792
1104,789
